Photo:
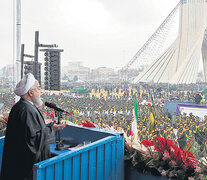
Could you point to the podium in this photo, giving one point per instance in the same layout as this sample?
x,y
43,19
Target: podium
x,y
100,156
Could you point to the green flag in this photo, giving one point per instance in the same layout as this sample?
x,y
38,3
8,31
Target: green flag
x,y
136,109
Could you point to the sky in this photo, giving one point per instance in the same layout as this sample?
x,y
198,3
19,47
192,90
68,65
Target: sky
x,y
96,32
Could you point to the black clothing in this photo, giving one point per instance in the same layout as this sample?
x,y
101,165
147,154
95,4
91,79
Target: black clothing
x,y
26,142
1,133
198,98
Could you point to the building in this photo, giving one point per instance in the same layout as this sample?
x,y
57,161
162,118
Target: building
x,y
75,71
102,74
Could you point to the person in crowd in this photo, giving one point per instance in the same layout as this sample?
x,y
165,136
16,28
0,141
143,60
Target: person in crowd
x,y
198,98
3,125
111,105
26,141
174,120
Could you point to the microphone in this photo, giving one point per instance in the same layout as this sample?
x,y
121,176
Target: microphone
x,y
54,106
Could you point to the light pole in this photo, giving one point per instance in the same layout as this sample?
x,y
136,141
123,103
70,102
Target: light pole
x,y
17,43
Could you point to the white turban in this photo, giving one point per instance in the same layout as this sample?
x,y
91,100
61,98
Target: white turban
x,y
25,84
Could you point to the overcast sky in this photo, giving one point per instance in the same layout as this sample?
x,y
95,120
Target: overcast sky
x,y
95,32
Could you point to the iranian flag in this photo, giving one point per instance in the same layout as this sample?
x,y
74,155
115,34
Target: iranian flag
x,y
134,119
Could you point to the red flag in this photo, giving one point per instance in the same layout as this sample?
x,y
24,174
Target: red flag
x,y
51,114
87,124
131,132
68,114
5,119
47,113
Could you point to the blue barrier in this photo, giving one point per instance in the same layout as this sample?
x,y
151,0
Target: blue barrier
x,y
1,149
103,158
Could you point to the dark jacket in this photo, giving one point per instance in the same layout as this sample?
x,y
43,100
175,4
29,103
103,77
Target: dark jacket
x,y
25,142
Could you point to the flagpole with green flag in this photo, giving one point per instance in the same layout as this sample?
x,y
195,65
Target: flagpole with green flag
x,y
134,130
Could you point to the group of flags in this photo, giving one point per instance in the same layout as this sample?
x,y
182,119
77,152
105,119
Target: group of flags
x,y
134,130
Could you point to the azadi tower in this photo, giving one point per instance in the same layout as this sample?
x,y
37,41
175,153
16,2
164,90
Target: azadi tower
x,y
179,64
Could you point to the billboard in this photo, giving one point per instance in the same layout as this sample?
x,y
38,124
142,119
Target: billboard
x,y
196,110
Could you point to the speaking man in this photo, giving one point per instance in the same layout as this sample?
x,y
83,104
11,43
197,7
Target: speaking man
x,y
26,141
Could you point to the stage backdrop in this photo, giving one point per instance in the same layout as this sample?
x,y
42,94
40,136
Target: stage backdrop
x,y
196,110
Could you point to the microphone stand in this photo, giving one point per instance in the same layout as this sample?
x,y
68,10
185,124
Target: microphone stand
x,y
59,144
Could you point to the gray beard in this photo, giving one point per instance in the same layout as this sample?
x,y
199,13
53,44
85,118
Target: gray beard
x,y
38,102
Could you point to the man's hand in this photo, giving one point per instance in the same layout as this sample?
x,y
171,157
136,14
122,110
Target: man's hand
x,y
58,126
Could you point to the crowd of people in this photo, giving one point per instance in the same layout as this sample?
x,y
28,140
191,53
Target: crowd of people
x,y
112,107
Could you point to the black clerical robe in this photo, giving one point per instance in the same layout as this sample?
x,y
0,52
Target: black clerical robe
x,y
26,142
